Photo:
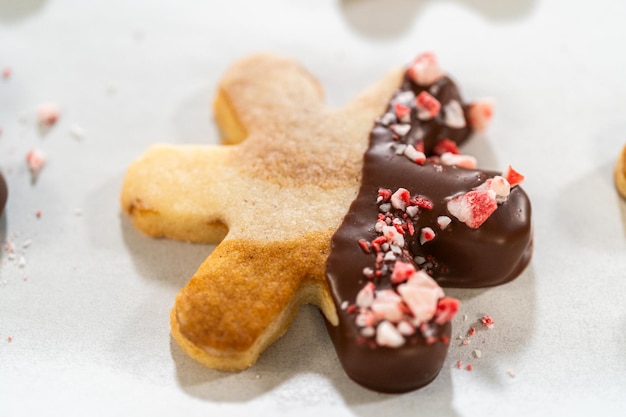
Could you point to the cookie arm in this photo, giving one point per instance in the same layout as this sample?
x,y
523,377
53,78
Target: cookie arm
x,y
174,192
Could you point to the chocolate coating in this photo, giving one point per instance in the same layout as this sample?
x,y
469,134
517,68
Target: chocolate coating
x,y
459,256
4,193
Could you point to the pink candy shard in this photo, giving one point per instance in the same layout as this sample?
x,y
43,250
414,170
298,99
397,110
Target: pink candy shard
x,y
35,159
425,69
426,235
463,161
427,106
447,308
401,272
48,114
388,335
512,176
400,199
365,297
480,113
421,293
415,155
474,207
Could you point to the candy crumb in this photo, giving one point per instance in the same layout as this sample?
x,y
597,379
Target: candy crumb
x,y
77,132
459,364
469,368
511,373
487,321
36,159
477,353
6,73
9,339
48,114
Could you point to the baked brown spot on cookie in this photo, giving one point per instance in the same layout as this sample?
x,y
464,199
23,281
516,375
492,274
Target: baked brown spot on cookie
x,y
274,195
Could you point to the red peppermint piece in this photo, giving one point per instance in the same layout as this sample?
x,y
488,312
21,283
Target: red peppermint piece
x,y
487,321
447,307
402,111
426,235
512,176
401,272
480,113
48,114
423,202
414,155
36,159
365,246
427,106
446,145
425,70
401,198
474,207
384,194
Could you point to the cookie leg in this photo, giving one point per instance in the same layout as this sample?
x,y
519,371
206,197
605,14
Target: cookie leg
x,y
243,297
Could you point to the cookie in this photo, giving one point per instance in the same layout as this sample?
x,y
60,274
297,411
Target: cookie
x,y
423,216
620,173
273,200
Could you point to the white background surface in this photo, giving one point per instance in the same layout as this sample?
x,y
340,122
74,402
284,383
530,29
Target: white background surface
x,y
89,324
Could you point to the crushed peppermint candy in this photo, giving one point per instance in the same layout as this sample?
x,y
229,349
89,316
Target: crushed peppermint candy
x,y
487,321
48,114
425,69
6,73
427,106
414,302
460,160
474,207
35,159
454,116
480,113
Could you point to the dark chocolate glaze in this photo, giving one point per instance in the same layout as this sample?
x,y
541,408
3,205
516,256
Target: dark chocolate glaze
x,y
494,253
4,192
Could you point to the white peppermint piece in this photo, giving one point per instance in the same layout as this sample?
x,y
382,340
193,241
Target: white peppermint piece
x,y
463,161
443,222
384,208
414,155
400,148
401,129
368,331
387,119
405,98
393,236
426,235
454,116
501,187
405,328
388,335
412,211
365,297
397,200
